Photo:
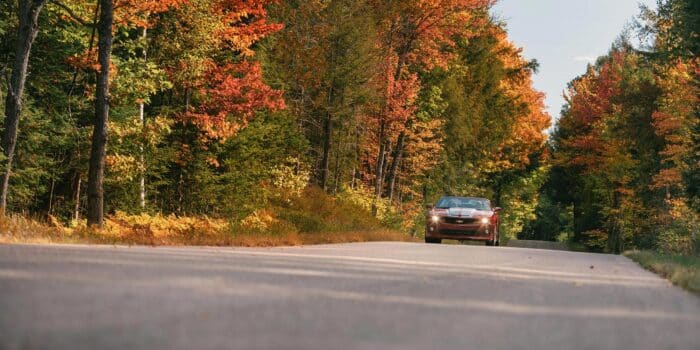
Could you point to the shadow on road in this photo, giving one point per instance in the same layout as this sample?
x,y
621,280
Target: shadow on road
x,y
537,244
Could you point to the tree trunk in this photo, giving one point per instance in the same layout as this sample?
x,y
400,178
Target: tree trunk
x,y
53,187
393,169
400,142
76,208
379,176
142,158
615,234
99,135
28,29
327,141
387,152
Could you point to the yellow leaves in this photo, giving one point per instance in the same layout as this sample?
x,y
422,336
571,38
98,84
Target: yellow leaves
x,y
364,197
161,229
259,220
290,179
137,13
682,225
123,168
676,121
128,139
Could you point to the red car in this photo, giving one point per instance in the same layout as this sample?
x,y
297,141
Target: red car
x,y
462,218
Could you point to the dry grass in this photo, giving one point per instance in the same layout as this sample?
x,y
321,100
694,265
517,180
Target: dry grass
x,y
312,218
19,229
681,270
122,229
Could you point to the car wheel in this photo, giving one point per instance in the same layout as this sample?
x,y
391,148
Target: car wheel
x,y
494,242
433,240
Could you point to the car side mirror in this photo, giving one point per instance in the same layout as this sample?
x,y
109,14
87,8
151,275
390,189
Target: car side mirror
x,y
497,209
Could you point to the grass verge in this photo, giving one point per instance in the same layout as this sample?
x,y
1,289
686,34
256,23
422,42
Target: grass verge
x,y
314,218
681,270
172,231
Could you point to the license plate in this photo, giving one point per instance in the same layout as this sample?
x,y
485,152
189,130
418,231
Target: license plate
x,y
460,221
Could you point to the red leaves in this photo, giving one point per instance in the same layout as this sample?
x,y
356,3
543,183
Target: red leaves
x,y
590,106
401,97
228,93
421,29
231,96
591,95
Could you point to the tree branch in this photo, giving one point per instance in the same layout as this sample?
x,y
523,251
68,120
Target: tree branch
x,y
72,14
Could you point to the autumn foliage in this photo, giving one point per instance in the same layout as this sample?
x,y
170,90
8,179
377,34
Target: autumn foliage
x,y
626,144
271,114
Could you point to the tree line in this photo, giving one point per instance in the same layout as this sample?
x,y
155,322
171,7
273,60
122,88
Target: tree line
x,y
625,151
214,107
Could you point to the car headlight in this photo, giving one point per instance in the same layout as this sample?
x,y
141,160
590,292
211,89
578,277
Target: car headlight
x,y
484,221
436,218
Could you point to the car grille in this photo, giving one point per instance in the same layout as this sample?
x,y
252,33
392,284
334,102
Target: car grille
x,y
459,221
457,232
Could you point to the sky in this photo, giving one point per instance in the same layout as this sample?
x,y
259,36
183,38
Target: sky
x,y
564,36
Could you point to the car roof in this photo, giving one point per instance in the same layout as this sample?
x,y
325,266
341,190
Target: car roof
x,y
460,197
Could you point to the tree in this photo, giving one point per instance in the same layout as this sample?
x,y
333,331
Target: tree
x,y
417,32
326,57
102,100
28,29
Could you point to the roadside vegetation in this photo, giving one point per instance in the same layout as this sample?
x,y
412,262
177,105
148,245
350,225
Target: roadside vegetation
x,y
311,219
230,122
261,122
682,270
625,172
624,168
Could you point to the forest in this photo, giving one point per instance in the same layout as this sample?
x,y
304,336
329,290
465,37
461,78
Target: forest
x,y
625,153
273,117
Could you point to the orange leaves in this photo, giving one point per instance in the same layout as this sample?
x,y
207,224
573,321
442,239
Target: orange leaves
x,y
86,60
670,177
137,13
531,119
591,94
231,96
665,123
676,120
591,106
243,22
228,93
420,29
401,98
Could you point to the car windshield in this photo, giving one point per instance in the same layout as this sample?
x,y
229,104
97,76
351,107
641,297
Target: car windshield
x,y
460,202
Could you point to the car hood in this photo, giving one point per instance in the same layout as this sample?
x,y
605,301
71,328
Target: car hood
x,y
462,212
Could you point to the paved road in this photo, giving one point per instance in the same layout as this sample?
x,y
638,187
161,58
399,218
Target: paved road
x,y
356,296
537,244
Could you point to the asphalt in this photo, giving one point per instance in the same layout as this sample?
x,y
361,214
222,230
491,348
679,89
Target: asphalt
x,y
354,296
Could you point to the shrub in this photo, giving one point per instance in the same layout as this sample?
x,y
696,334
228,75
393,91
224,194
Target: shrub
x,y
363,198
674,241
596,240
680,233
316,211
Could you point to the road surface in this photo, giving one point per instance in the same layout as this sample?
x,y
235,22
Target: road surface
x,y
356,296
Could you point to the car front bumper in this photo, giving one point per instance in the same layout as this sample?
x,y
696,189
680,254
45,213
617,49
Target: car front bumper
x,y
473,231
